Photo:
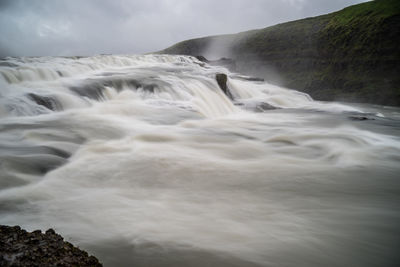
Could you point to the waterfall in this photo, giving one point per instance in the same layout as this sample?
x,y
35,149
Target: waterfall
x,y
144,160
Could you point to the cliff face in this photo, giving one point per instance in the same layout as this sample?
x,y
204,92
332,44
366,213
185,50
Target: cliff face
x,y
349,55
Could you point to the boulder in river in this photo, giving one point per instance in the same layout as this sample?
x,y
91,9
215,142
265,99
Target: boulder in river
x,y
221,80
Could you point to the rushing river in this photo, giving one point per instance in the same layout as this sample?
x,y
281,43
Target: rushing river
x,y
144,161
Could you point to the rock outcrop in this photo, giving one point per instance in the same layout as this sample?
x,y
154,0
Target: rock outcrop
x,y
46,101
222,80
21,248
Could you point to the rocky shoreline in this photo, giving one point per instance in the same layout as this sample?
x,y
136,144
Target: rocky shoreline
x,y
21,248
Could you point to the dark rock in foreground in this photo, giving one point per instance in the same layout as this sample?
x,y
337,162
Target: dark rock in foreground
x,y
21,248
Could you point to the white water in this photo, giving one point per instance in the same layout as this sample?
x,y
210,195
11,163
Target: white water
x,y
144,161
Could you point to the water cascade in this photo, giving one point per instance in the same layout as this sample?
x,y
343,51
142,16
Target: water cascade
x,y
146,161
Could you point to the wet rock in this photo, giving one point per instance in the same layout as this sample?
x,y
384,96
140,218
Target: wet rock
x,y
263,107
8,64
221,80
201,58
46,101
360,118
224,62
255,106
249,78
95,88
21,248
90,90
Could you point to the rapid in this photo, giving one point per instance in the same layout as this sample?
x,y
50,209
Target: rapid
x,y
142,160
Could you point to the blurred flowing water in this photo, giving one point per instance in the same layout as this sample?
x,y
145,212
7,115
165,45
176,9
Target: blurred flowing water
x,y
144,161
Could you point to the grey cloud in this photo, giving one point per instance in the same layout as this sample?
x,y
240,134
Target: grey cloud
x,y
75,27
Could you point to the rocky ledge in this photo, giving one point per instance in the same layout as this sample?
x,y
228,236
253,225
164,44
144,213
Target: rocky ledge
x,y
21,248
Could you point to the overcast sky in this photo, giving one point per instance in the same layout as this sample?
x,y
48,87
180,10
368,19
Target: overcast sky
x,y
87,27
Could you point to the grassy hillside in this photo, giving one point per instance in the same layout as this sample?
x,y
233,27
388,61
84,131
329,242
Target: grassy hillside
x,y
350,55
